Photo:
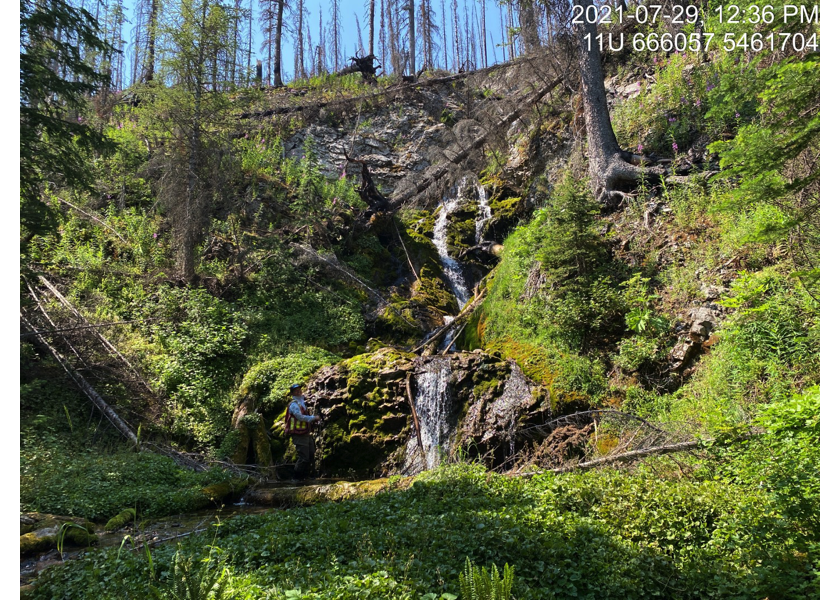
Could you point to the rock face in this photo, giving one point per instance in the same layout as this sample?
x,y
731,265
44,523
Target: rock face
x,y
701,321
367,414
493,426
395,141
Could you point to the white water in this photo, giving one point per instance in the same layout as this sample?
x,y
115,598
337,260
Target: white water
x,y
432,404
452,271
484,213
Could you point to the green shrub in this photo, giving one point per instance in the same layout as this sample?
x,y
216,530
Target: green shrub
x,y
97,486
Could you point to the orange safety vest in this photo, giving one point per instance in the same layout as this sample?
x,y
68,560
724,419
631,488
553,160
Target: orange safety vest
x,y
295,427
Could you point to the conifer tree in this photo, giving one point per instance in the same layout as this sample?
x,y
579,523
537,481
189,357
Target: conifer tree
x,y
55,82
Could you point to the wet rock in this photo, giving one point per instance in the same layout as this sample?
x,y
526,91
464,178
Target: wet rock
x,y
42,532
501,408
367,418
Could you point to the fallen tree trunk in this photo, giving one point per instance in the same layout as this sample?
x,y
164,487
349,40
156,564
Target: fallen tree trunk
x,y
625,457
88,390
467,311
308,495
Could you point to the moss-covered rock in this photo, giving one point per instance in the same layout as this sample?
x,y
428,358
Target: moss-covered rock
x,y
366,415
44,532
220,491
125,516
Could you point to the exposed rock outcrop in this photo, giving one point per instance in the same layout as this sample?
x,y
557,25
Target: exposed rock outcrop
x,y
700,324
366,411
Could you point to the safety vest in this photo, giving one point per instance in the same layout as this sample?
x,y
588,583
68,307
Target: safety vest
x,y
295,427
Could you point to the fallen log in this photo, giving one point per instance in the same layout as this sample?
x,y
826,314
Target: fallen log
x,y
308,495
467,311
80,381
625,457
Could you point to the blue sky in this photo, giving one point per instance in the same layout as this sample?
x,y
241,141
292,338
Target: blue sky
x,y
349,9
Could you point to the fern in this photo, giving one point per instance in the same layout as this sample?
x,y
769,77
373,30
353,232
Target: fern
x,y
189,582
481,585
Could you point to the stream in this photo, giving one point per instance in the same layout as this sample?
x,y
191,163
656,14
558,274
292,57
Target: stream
x,y
156,531
433,399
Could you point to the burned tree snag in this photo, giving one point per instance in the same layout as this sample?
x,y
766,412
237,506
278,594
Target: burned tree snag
x,y
363,65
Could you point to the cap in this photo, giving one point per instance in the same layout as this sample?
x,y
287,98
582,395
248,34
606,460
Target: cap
x,y
295,386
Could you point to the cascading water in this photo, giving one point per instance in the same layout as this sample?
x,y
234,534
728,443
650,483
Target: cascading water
x,y
484,213
432,405
433,401
452,271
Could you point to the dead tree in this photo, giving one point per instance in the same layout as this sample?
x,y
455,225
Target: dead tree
x,y
363,65
278,36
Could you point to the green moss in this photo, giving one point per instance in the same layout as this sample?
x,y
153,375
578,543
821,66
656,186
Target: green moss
x,y
506,209
432,291
126,516
49,529
460,230
371,260
266,384
219,491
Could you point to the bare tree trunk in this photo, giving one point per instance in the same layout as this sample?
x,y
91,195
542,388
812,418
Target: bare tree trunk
x,y
528,23
504,34
149,68
411,40
278,36
456,46
250,37
484,32
443,21
511,37
300,68
383,45
336,43
372,16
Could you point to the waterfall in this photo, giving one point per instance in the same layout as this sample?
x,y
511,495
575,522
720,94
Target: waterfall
x,y
452,271
433,405
484,213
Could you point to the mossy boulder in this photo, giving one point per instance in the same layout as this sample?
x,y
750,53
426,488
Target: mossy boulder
x,y
226,489
366,415
41,532
118,521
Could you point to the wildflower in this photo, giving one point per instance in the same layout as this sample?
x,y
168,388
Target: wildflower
x,y
672,119
246,136
709,87
683,100
737,115
343,174
639,148
154,235
675,147
697,103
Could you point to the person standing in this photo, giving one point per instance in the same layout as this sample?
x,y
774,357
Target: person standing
x,y
299,425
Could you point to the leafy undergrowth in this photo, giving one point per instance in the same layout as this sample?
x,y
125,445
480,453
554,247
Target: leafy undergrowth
x,y
97,486
744,523
73,464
